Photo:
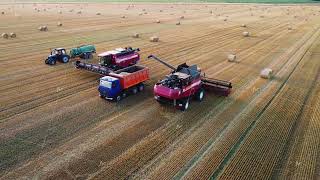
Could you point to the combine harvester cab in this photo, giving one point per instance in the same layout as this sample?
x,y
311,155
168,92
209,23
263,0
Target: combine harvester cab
x,y
119,84
186,82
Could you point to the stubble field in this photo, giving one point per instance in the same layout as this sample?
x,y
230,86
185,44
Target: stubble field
x,y
53,124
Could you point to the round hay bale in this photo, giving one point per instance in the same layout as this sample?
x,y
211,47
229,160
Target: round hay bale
x,y
266,73
2,13
79,12
243,25
59,24
261,16
13,35
246,34
136,35
232,57
161,10
140,14
145,13
154,39
225,19
143,9
98,14
60,12
211,12
181,17
71,10
43,28
178,23
158,21
289,28
123,17
5,35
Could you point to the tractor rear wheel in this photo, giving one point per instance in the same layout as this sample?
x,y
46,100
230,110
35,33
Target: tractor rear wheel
x,y
65,59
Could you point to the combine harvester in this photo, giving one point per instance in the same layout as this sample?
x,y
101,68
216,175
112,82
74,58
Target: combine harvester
x,y
185,82
112,61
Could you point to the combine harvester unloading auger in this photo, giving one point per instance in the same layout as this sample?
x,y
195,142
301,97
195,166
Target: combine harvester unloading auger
x,y
185,82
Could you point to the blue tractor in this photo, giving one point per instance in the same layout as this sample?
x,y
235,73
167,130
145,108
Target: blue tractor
x,y
58,54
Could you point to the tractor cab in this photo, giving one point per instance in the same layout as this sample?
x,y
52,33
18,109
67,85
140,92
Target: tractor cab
x,y
59,51
57,54
109,87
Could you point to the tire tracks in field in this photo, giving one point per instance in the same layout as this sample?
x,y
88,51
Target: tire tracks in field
x,y
242,88
248,130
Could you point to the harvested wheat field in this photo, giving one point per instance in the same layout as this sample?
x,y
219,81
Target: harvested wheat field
x,y
53,124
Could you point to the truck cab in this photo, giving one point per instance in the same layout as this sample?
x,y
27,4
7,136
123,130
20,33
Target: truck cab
x,y
57,54
110,88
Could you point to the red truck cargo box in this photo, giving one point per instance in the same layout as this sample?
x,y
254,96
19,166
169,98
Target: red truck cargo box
x,y
131,76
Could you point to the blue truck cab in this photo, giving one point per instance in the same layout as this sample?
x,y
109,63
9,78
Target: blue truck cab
x,y
110,88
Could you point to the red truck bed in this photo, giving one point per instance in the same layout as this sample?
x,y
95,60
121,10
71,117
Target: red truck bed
x,y
131,76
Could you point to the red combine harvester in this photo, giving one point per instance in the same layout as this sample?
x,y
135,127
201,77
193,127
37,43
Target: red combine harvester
x,y
112,60
185,82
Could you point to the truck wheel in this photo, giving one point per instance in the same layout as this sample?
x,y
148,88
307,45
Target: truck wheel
x,y
118,98
141,87
90,56
185,105
46,61
200,95
102,96
124,95
134,90
65,59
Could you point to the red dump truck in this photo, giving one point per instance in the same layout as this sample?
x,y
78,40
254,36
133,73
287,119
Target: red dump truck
x,y
118,84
